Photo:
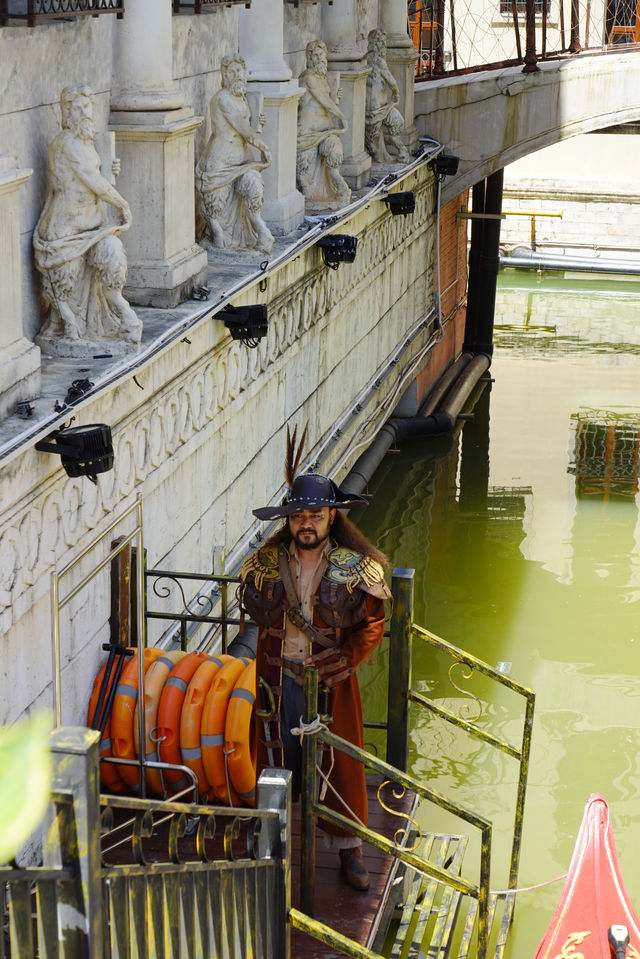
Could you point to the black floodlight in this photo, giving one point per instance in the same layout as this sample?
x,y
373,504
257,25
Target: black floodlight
x,y
84,450
445,165
246,323
400,203
338,248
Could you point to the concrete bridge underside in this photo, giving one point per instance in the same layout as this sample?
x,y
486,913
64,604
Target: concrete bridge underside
x,y
492,119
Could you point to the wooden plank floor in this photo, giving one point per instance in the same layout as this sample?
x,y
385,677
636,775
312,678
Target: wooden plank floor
x,y
338,905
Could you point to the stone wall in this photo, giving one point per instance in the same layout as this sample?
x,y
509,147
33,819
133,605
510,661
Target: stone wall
x,y
592,181
199,433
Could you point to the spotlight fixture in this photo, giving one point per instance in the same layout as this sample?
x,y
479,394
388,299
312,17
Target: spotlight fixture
x,y
445,165
84,450
400,203
245,323
338,248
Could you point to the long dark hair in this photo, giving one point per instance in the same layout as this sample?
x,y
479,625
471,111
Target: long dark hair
x,y
343,531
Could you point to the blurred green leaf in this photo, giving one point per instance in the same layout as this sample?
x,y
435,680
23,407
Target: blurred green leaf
x,y
25,780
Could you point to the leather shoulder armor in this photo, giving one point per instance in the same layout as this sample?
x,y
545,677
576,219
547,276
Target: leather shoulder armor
x,y
353,570
261,566
261,588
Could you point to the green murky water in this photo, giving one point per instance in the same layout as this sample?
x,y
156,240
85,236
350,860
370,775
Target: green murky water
x,y
524,533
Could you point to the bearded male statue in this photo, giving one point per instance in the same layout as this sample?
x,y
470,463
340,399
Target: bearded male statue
x,y
321,123
229,187
383,121
81,260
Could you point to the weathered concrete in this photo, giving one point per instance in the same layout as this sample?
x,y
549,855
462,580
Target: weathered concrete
x,y
491,119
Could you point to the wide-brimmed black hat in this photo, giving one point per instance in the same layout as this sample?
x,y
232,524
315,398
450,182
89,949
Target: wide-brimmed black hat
x,y
311,491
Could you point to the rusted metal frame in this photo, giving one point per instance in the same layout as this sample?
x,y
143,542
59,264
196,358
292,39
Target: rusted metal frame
x,y
439,57
516,28
201,6
525,752
522,754
467,658
530,58
454,50
563,46
183,619
545,7
403,779
399,679
34,14
308,793
388,846
574,46
324,933
450,717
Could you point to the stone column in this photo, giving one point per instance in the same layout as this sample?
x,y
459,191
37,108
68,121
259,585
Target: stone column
x,y
19,357
155,144
272,90
401,60
339,23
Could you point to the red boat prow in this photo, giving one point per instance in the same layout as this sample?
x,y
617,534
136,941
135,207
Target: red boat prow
x,y
593,897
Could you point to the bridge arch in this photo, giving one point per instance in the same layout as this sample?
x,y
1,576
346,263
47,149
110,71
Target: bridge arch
x,y
493,118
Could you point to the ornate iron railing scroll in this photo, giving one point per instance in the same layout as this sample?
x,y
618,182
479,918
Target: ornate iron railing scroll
x,y
397,845
33,12
520,752
210,605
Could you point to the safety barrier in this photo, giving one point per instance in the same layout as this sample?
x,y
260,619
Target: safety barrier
x,y
456,38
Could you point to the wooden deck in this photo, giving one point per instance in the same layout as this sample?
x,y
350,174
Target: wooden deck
x,y
346,910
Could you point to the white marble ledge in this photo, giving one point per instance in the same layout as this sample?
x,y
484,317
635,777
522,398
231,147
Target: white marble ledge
x,y
227,278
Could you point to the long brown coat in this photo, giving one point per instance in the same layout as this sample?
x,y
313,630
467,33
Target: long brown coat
x,y
356,644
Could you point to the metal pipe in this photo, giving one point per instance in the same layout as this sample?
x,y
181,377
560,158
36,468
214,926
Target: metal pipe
x,y
575,264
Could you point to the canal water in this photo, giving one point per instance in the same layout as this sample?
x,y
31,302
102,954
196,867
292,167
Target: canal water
x,y
524,534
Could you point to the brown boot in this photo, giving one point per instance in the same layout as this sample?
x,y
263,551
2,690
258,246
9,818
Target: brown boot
x,y
353,868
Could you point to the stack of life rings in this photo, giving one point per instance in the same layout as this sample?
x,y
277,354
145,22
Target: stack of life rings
x,y
198,713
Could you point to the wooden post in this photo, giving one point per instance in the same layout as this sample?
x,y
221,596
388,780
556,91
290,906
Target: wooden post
x,y
308,796
400,674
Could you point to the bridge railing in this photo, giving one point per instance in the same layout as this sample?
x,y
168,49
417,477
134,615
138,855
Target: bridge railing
x,y
459,36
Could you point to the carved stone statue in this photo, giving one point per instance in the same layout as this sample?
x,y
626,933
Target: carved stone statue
x,y
82,262
229,187
321,123
383,121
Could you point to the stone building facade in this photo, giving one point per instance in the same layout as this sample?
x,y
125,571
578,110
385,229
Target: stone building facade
x,y
197,417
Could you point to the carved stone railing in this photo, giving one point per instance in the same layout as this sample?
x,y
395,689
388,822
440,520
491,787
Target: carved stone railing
x,y
33,12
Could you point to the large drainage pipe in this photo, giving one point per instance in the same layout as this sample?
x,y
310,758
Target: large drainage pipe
x,y
436,423
571,264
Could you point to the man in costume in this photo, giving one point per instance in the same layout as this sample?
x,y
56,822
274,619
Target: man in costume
x,y
317,591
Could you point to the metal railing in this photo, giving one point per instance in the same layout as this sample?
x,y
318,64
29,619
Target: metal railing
x,y
204,6
402,635
33,12
455,38
127,876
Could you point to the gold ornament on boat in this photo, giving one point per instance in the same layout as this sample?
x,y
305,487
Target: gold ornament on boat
x,y
568,949
466,712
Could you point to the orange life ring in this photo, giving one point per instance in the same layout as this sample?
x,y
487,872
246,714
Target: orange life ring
x,y
154,679
168,721
108,773
191,717
239,738
214,715
124,704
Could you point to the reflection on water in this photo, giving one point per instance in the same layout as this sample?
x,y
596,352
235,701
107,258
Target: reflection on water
x,y
525,536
